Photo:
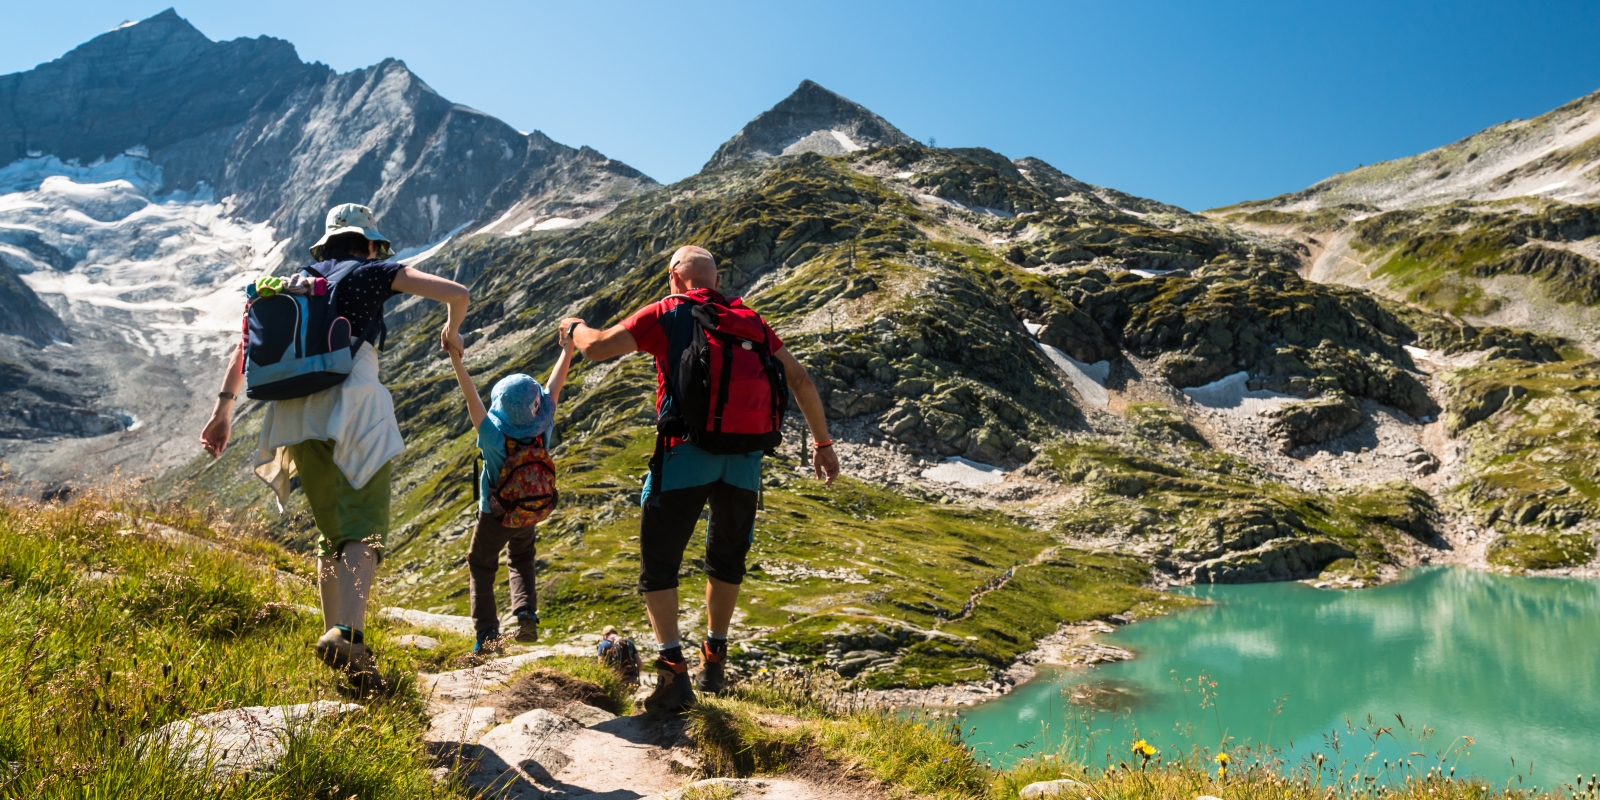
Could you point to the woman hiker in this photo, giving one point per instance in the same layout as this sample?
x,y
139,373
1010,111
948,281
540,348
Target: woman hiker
x,y
341,440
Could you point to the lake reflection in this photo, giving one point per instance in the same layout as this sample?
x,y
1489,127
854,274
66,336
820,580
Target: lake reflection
x,y
1512,662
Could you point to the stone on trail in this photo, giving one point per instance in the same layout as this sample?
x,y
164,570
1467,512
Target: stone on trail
x,y
1057,788
527,749
238,740
439,622
588,716
759,789
416,641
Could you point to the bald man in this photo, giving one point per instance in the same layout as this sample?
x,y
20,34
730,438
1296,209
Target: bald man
x,y
690,478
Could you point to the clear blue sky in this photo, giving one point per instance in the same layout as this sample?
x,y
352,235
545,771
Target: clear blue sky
x,y
1195,103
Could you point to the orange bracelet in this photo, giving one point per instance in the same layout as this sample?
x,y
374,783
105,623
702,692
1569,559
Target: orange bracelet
x,y
820,445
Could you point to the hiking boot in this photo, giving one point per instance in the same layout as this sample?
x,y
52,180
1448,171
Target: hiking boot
x,y
488,642
527,626
334,649
710,679
674,691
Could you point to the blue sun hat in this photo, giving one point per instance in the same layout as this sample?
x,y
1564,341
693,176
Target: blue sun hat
x,y
521,408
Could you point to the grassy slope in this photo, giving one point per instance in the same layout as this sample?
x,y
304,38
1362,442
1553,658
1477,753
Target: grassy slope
x,y
109,630
1533,431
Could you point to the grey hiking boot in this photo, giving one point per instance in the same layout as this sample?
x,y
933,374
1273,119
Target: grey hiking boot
x,y
334,648
710,679
527,626
674,691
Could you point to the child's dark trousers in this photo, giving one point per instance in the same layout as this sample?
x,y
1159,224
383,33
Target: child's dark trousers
x,y
483,561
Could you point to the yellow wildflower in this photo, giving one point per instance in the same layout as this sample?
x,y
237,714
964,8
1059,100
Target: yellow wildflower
x,y
1143,748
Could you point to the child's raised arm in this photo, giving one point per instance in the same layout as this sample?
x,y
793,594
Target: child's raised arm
x,y
475,408
558,374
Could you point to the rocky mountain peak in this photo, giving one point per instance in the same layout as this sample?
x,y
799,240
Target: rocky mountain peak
x,y
810,120
149,84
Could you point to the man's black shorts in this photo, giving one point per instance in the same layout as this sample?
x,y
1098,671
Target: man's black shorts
x,y
669,521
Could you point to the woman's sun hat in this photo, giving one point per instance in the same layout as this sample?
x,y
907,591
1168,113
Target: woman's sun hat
x,y
351,218
517,404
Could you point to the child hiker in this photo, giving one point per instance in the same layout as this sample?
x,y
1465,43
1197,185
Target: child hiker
x,y
516,491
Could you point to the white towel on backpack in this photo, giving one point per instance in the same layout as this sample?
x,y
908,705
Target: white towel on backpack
x,y
358,415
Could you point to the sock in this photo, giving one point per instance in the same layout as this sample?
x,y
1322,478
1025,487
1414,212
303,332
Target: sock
x,y
344,630
671,651
357,638
716,642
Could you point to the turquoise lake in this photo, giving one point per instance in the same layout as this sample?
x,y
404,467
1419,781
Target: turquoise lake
x,y
1512,662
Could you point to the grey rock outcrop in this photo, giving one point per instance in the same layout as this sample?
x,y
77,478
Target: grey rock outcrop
x,y
810,120
22,312
1277,560
239,740
1314,421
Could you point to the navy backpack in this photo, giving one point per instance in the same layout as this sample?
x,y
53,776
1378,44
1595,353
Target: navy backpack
x,y
298,343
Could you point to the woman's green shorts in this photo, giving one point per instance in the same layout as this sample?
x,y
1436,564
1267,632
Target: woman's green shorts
x,y
344,514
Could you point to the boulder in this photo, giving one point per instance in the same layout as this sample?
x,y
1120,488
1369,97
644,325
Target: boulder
x,y
1314,421
238,740
1058,788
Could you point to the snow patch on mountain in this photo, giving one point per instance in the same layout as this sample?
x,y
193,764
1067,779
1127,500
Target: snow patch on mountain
x,y
104,246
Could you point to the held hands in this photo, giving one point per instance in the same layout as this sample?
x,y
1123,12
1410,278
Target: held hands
x,y
562,328
450,342
825,463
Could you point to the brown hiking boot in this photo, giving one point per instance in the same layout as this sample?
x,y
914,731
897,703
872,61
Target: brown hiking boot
x,y
674,691
334,649
710,679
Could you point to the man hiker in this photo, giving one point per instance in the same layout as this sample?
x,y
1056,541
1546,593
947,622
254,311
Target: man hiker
x,y
741,369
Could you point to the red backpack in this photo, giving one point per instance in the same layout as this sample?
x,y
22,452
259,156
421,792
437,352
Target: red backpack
x,y
727,393
526,492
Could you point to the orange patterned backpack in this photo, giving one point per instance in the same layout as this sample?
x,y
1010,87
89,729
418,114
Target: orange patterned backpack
x,y
526,492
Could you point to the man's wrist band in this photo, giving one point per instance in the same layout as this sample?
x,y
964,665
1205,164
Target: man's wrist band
x,y
820,445
227,396
571,328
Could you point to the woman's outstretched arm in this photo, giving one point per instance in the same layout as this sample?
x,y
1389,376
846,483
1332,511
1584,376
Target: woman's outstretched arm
x,y
444,290
214,436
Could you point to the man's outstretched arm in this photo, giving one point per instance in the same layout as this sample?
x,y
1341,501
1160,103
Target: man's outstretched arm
x,y
826,462
598,345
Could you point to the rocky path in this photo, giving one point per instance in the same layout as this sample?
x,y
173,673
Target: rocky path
x,y
575,752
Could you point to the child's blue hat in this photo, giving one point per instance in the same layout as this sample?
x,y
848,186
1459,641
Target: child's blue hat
x,y
512,405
